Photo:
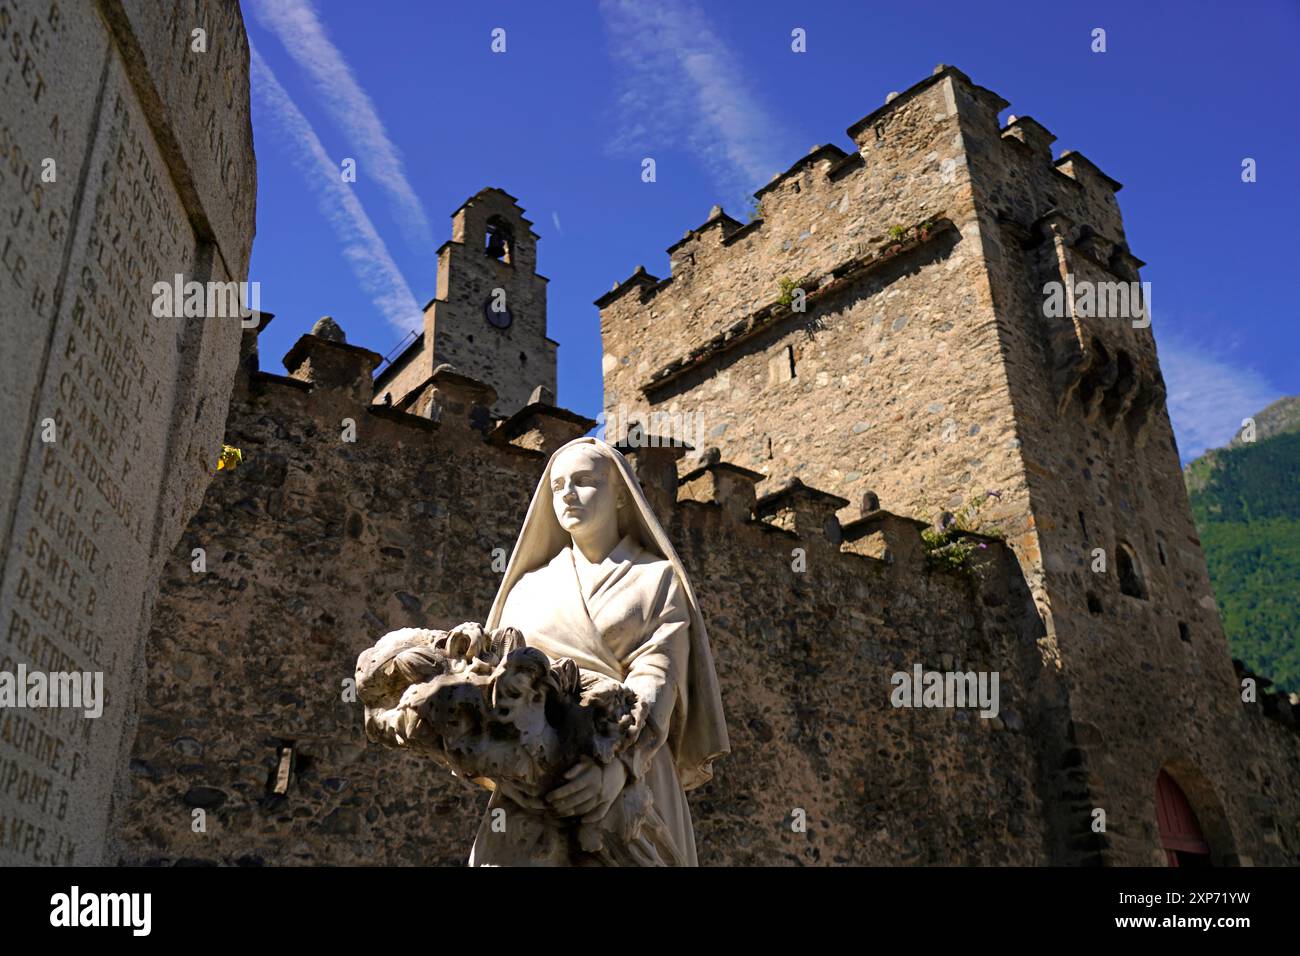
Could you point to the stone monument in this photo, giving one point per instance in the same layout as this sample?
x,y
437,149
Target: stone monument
x,y
589,703
128,168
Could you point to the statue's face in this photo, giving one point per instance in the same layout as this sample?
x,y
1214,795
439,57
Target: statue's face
x,y
583,491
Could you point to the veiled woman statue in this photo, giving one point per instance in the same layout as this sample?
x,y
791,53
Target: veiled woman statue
x,y
627,684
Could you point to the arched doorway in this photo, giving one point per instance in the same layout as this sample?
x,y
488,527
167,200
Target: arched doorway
x,y
1180,832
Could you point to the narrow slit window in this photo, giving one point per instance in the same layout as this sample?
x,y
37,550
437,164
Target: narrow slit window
x,y
1130,581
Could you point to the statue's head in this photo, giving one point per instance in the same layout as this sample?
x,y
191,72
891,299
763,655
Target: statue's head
x,y
587,492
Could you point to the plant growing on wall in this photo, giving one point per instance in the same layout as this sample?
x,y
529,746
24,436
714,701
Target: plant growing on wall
x,y
788,286
948,543
896,235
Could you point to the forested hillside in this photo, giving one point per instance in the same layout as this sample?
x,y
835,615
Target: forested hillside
x,y
1246,503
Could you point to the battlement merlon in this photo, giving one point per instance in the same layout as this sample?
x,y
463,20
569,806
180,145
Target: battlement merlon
x,y
1036,137
541,426
333,364
988,102
1070,161
822,152
639,278
808,512
719,482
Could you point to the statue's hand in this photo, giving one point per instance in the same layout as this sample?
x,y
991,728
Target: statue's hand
x,y
632,723
591,789
520,797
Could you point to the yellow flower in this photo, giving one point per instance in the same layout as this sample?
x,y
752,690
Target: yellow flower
x,y
230,458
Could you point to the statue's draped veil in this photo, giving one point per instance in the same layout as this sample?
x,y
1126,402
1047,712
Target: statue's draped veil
x,y
699,735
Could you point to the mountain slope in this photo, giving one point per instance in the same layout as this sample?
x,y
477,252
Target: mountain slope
x,y
1246,503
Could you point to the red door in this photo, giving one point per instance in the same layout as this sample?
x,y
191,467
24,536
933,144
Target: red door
x,y
1180,834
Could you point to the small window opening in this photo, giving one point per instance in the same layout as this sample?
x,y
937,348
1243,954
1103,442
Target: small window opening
x,y
1184,633
1083,524
1160,550
1094,603
1130,582
523,358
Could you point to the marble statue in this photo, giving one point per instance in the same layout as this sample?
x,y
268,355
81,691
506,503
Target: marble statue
x,y
587,703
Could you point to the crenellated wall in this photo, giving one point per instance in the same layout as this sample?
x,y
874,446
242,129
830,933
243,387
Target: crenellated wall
x,y
891,380
314,547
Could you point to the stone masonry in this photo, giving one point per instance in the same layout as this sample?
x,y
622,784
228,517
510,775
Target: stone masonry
x,y
925,368
488,319
315,546
877,334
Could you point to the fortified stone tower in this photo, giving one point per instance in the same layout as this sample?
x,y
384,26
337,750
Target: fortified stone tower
x,y
925,369
488,318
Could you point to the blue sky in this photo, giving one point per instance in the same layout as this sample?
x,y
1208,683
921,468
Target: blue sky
x,y
413,92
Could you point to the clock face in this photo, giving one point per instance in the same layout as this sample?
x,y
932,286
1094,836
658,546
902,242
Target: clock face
x,y
500,320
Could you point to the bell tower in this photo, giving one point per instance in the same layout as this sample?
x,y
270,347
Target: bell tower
x,y
488,318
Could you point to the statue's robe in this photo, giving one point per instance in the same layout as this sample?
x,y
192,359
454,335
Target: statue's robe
x,y
632,623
